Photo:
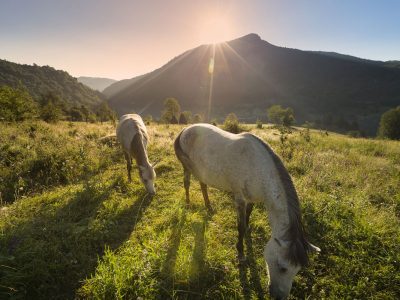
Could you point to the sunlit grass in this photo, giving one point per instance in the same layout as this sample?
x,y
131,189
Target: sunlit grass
x,y
97,236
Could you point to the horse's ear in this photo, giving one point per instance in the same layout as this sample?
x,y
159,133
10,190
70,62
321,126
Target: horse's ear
x,y
313,248
155,163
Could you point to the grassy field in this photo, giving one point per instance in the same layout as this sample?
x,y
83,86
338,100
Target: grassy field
x,y
71,226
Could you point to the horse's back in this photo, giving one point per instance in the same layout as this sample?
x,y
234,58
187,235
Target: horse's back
x,y
128,126
221,159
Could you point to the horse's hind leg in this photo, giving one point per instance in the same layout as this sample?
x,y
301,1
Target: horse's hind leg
x,y
241,219
205,195
128,166
186,183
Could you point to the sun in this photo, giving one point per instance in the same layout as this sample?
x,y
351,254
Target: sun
x,y
215,29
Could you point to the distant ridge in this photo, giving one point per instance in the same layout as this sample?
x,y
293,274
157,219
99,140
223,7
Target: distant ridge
x,y
40,80
251,74
96,83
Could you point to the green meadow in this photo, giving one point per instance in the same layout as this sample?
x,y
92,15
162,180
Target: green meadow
x,y
71,226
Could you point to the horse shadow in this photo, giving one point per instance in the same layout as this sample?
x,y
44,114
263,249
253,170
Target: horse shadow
x,y
55,250
192,288
203,279
250,282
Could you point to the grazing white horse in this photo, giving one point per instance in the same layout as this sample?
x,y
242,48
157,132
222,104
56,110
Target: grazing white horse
x,y
246,166
132,134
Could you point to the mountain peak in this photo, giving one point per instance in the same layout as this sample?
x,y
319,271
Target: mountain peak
x,y
251,37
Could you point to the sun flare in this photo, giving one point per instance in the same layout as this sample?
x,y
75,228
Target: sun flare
x,y
215,29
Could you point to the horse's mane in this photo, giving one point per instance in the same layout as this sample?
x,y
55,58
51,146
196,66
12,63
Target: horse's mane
x,y
295,234
137,145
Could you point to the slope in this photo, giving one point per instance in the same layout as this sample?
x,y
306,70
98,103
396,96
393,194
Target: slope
x,y
250,74
40,80
96,83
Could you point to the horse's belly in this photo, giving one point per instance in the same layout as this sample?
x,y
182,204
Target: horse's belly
x,y
215,181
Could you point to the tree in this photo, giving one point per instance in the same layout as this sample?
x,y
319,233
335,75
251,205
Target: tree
x,y
105,113
51,110
174,120
197,118
281,116
85,112
231,123
50,113
389,125
182,119
188,116
76,114
288,117
16,104
171,110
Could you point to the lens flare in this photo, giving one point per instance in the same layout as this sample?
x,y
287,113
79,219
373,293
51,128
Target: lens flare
x,y
211,66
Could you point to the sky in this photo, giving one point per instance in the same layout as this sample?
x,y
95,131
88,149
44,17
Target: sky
x,y
121,39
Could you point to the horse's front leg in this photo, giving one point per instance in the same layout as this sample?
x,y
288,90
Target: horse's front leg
x,y
205,196
241,222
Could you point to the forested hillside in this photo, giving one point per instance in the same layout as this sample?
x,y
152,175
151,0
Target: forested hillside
x,y
247,75
42,80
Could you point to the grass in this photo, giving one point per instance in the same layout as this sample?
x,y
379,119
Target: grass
x,y
78,229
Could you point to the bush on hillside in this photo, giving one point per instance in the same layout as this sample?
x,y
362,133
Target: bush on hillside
x,y
389,126
16,104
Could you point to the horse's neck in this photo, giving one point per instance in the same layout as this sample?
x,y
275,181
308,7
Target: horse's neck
x,y
139,150
278,217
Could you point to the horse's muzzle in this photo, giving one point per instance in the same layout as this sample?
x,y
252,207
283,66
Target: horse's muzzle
x,y
276,294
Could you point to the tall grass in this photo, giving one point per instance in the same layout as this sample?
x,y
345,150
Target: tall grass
x,y
91,234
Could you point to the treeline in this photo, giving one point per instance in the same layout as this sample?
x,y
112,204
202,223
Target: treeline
x,y
16,104
389,124
172,114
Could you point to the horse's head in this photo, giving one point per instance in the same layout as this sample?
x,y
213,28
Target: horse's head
x,y
280,268
148,176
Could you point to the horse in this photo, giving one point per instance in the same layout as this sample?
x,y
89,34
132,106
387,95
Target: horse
x,y
247,167
132,134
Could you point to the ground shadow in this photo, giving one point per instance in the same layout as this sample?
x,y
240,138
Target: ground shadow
x,y
166,275
203,280
250,266
55,250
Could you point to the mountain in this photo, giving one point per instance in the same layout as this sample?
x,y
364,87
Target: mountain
x,y
41,80
96,83
250,74
118,86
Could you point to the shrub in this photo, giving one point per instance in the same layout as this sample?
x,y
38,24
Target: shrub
x,y
16,104
231,124
281,116
259,124
389,126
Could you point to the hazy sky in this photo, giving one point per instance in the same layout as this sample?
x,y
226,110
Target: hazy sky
x,y
121,39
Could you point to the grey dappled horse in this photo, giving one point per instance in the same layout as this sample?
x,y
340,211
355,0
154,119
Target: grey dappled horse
x,y
132,134
246,166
